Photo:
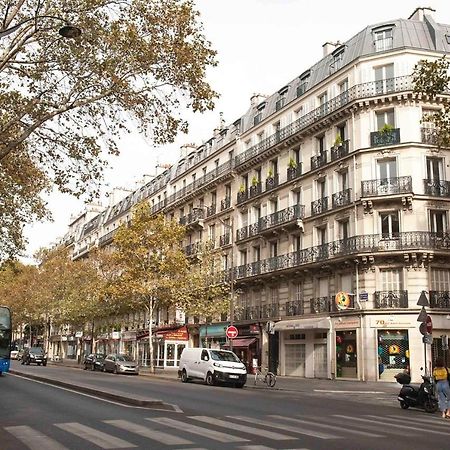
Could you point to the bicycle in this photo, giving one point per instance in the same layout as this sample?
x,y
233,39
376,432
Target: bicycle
x,y
269,378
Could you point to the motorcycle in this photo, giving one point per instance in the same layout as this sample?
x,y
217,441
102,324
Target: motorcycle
x,y
422,396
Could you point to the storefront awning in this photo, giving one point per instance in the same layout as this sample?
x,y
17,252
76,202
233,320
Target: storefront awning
x,y
316,323
241,343
213,330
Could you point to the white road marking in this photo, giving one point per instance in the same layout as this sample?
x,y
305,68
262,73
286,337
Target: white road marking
x,y
33,439
99,438
379,422
256,447
348,392
159,436
268,423
201,431
243,428
435,420
330,427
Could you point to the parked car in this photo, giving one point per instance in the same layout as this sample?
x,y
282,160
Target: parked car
x,y
34,355
117,363
13,354
212,366
94,361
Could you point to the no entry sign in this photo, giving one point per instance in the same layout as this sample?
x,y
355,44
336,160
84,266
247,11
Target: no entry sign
x,y
232,332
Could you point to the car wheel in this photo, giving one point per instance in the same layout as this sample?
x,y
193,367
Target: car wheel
x,y
115,370
85,367
184,377
210,379
38,364
22,362
404,405
44,363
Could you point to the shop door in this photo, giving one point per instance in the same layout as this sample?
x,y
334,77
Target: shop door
x,y
320,361
295,360
173,352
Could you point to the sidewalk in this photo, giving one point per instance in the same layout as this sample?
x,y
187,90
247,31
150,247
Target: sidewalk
x,y
283,383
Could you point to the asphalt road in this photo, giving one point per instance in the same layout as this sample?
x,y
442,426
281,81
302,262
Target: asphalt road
x,y
37,416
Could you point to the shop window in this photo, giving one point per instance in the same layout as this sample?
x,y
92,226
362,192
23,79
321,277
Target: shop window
x,y
393,353
346,354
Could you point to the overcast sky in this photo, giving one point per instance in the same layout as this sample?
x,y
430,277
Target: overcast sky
x,y
261,45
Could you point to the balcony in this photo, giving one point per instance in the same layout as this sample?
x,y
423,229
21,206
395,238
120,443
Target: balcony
x,y
437,188
196,215
242,196
242,234
320,305
386,186
225,203
192,249
385,138
269,311
429,136
210,210
107,238
340,151
440,299
319,206
272,182
255,189
356,92
225,239
341,198
294,172
391,299
282,217
294,308
318,160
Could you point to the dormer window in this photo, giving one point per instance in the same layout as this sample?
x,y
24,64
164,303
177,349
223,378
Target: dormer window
x,y
282,93
303,84
337,59
237,126
383,39
258,116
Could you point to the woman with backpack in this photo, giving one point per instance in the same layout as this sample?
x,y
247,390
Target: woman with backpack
x,y
441,374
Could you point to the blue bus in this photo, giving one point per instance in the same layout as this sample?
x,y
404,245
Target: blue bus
x,y
5,338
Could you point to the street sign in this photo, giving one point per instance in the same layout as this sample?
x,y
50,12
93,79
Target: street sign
x,y
429,323
422,316
427,339
423,300
423,328
232,332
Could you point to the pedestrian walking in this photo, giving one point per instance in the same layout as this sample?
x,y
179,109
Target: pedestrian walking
x,y
440,374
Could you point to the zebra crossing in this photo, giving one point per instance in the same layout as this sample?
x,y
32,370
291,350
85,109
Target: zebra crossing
x,y
235,432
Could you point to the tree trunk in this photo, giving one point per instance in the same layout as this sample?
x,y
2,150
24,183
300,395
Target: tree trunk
x,y
92,337
150,331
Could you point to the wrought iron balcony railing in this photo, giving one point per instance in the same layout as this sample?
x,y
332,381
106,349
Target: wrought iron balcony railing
x,y
380,138
294,308
294,172
440,299
429,136
272,182
371,243
437,188
282,217
107,238
320,305
255,190
391,299
192,249
340,151
341,198
225,239
225,203
319,206
271,310
242,233
194,216
318,160
242,196
386,186
359,91
211,210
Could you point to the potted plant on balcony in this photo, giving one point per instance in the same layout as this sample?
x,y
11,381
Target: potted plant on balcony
x,y
337,141
386,129
292,164
254,188
254,181
270,180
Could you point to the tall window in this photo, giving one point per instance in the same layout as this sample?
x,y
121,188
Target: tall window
x,y
281,99
344,226
323,99
321,188
243,257
440,280
212,232
434,169
320,140
273,249
387,169
303,84
390,226
384,79
343,180
321,236
383,39
391,280
438,222
385,118
273,206
257,253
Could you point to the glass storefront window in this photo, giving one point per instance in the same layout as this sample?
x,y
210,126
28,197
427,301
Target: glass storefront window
x,y
393,353
346,354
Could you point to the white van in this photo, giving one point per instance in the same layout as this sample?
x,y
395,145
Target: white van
x,y
212,366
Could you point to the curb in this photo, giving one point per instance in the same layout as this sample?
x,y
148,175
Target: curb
x,y
121,397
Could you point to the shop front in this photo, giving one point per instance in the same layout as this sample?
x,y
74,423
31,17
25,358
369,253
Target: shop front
x,y
170,345
213,335
346,349
304,347
247,346
128,340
